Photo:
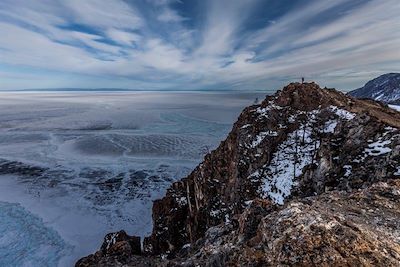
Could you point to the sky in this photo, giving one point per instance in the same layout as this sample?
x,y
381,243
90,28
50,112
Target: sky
x,y
196,45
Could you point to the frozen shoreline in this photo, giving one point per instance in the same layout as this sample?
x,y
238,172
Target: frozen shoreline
x,y
88,164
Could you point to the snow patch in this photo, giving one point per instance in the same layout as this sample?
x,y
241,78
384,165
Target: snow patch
x,y
378,148
395,107
330,126
261,136
348,170
182,201
264,111
342,113
288,162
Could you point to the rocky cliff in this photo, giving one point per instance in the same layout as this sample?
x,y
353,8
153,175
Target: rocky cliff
x,y
308,177
385,88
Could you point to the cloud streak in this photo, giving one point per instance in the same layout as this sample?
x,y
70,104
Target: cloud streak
x,y
167,44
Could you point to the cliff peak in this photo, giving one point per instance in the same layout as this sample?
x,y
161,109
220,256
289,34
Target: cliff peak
x,y
300,145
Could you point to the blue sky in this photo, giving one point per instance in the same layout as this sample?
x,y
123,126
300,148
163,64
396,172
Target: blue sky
x,y
194,45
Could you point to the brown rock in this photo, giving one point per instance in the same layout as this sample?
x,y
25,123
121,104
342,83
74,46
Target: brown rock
x,y
337,154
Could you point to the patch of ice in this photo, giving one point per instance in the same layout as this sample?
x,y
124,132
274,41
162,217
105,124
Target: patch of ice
x,y
25,240
245,126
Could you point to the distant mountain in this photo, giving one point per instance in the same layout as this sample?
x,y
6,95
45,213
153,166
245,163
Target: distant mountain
x,y
385,88
309,177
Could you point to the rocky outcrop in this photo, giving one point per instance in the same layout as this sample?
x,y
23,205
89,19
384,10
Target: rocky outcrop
x,y
117,248
254,200
338,228
385,88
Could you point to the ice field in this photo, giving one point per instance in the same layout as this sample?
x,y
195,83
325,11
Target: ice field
x,y
75,166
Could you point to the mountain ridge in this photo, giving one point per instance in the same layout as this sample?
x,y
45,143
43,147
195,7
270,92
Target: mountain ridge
x,y
385,88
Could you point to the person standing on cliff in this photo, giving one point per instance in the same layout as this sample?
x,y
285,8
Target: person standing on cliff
x,y
302,79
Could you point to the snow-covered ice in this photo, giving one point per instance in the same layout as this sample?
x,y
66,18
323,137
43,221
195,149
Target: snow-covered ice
x,y
77,166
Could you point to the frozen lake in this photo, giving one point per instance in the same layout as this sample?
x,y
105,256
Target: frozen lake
x,y
75,166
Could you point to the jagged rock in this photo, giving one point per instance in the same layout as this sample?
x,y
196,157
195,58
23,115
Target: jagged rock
x,y
265,146
302,145
338,228
117,246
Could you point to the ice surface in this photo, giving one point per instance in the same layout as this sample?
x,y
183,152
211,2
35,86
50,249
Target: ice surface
x,y
26,233
81,165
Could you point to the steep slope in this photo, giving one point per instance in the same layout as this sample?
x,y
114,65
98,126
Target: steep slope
x,y
385,88
301,142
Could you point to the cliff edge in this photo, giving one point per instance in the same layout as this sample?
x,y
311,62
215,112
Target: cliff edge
x,y
309,177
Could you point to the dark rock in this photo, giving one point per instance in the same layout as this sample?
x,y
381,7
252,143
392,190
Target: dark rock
x,y
119,247
111,239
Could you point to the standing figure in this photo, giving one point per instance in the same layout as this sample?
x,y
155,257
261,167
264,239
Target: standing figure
x,y
302,79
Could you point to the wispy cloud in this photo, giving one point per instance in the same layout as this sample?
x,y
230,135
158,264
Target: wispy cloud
x,y
164,44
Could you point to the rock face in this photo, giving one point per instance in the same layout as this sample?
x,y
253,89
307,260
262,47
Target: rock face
x,y
385,88
308,177
117,247
338,228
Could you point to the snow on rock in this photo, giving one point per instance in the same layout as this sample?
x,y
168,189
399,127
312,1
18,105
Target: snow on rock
x,y
264,111
378,148
110,240
330,126
342,113
182,201
395,107
261,136
348,170
298,151
288,162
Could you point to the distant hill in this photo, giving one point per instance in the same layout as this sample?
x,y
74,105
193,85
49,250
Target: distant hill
x,y
385,88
